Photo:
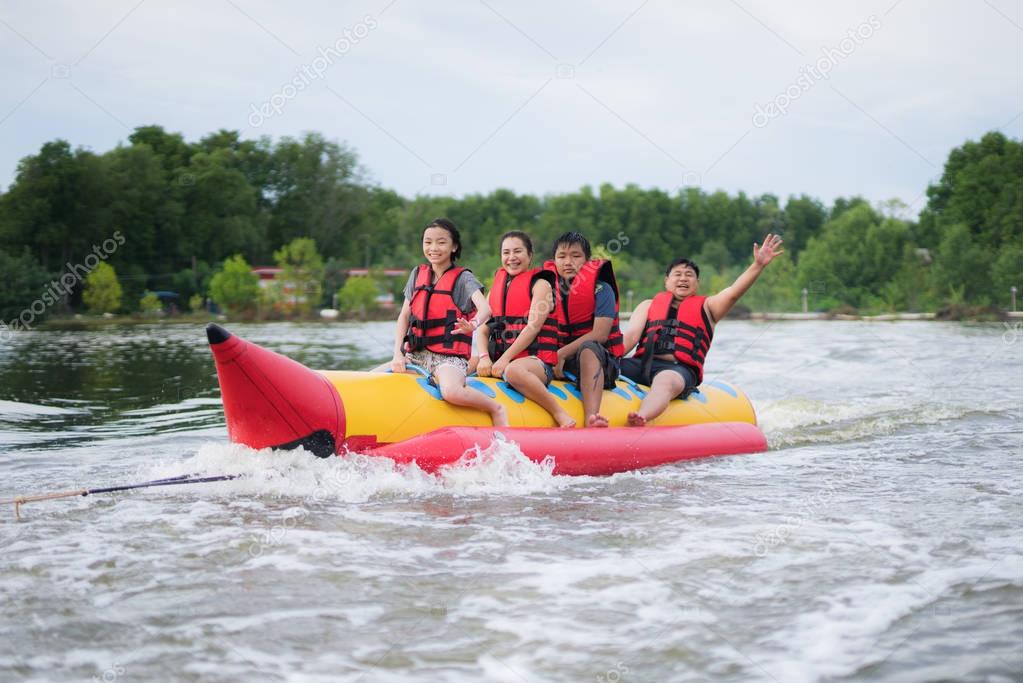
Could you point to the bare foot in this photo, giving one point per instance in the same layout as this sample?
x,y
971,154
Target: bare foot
x,y
636,420
564,420
499,416
596,420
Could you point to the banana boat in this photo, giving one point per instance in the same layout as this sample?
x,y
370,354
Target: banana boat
x,y
271,401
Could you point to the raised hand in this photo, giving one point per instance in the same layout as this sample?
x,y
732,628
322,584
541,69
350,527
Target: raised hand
x,y
765,254
465,327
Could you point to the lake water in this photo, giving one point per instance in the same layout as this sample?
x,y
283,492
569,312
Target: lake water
x,y
880,538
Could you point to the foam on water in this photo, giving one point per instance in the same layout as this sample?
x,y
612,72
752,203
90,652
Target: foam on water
x,y
500,468
13,409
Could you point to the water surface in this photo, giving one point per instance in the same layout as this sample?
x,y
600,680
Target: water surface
x,y
881,537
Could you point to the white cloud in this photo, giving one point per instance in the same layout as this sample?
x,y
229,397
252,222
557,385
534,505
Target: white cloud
x,y
677,79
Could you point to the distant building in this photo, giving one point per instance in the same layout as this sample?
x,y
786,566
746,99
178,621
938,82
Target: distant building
x,y
267,274
289,295
387,272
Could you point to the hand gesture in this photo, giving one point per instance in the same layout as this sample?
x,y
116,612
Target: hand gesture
x,y
465,327
765,254
483,368
559,369
498,368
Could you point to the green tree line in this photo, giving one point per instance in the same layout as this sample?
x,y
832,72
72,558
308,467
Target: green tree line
x,y
190,210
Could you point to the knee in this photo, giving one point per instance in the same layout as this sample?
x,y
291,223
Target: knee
x,y
673,382
588,356
514,374
448,391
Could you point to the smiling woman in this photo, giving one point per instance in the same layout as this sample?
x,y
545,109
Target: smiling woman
x,y
520,344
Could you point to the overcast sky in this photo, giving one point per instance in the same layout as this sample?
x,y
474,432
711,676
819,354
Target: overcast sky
x,y
465,96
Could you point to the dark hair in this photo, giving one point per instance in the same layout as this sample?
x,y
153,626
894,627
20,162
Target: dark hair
x,y
519,235
452,230
682,262
570,238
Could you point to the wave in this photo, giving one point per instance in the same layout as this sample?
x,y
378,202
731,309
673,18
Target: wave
x,y
501,468
802,421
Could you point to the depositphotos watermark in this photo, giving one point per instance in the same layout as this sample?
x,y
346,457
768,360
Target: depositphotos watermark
x,y
312,71
811,74
61,287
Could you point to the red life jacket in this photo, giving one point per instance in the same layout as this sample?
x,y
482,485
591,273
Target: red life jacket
x,y
679,328
574,304
433,315
510,298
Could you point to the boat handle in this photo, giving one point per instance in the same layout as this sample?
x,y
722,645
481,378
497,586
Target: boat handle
x,y
412,366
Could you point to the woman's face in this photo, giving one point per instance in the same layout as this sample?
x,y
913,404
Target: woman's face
x,y
438,246
514,256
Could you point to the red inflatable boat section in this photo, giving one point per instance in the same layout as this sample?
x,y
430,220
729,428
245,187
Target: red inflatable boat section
x,y
584,451
271,401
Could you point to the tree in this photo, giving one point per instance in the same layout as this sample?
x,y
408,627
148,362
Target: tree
x,y
150,304
102,290
776,289
22,282
196,303
316,191
1007,272
962,267
223,208
235,286
54,205
301,277
981,187
853,258
803,218
358,295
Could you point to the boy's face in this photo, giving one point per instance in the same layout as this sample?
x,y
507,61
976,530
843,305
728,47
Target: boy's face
x,y
682,281
569,260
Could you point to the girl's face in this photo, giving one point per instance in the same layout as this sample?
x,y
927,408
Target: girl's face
x,y
438,246
514,256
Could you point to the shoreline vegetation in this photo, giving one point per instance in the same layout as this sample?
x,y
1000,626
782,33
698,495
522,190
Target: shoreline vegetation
x,y
161,227
90,322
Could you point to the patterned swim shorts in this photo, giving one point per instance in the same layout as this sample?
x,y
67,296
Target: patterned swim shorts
x,y
430,361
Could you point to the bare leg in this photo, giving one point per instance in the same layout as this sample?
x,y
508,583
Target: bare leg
x,y
666,386
527,376
591,383
451,382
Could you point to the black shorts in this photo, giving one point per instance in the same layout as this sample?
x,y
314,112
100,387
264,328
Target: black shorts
x,y
607,361
548,370
633,369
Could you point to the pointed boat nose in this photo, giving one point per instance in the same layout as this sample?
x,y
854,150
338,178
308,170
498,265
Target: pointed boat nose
x,y
216,334
271,401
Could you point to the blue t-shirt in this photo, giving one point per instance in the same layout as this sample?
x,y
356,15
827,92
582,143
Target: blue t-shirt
x,y
604,304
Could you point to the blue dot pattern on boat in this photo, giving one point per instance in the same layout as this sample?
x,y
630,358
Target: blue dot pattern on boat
x,y
717,384
621,392
511,393
640,394
633,387
570,388
481,387
430,389
698,396
557,392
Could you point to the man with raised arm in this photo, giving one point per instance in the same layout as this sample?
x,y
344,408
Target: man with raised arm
x,y
675,328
